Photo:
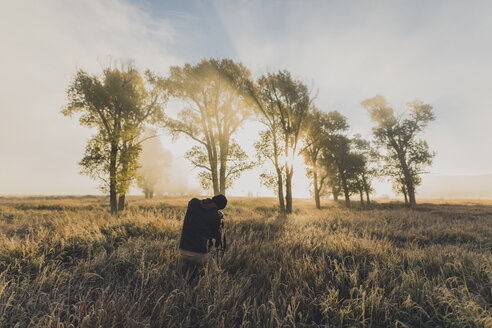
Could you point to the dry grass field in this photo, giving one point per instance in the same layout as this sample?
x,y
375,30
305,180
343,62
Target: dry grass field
x,y
65,262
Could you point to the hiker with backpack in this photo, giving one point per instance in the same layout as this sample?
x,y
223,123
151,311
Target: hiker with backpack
x,y
202,223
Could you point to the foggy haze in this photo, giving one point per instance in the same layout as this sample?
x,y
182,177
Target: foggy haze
x,y
160,171
439,51
457,187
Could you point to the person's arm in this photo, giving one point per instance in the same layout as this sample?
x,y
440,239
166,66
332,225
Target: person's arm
x,y
215,225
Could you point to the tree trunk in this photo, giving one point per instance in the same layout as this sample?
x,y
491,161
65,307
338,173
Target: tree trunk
x,y
280,193
335,193
112,179
224,152
404,190
288,179
316,190
222,178
366,188
361,192
151,194
346,191
121,202
146,194
215,178
410,188
347,197
288,191
408,181
280,182
367,197
113,201
411,194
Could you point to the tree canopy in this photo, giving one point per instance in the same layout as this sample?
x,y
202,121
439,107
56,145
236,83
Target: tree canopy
x,y
406,156
217,104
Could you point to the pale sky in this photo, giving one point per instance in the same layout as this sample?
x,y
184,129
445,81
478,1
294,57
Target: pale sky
x,y
437,51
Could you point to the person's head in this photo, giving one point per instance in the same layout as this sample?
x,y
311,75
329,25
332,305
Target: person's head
x,y
220,200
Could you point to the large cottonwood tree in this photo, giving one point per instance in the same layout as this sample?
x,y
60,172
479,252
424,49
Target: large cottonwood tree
x,y
367,170
337,154
398,136
283,104
216,105
319,128
269,148
117,104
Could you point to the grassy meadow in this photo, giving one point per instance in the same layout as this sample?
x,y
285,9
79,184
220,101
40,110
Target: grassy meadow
x,y
65,262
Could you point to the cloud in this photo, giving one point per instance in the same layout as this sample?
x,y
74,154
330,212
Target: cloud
x,y
440,52
44,42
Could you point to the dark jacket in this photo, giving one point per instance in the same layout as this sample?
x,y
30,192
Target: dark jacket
x,y
201,222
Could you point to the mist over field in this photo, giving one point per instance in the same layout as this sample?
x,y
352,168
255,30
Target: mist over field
x,y
457,187
159,172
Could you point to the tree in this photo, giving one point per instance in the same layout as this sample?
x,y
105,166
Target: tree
x,y
319,128
337,153
269,148
398,136
366,170
358,178
117,104
282,104
215,92
333,178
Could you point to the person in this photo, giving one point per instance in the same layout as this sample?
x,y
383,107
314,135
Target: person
x,y
202,223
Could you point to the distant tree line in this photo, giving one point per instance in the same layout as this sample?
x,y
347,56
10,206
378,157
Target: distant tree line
x,y
218,96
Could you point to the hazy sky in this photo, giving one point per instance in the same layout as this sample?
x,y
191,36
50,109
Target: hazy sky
x,y
438,51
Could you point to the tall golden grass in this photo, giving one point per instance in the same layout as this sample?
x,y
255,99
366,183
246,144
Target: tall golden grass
x,y
65,262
